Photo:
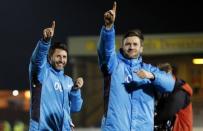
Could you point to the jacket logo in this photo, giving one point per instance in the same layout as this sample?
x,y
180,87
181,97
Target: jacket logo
x,y
128,79
57,86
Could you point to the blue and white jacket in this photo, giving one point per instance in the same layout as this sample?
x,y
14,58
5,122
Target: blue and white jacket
x,y
129,99
52,95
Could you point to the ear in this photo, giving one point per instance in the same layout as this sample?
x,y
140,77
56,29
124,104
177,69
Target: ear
x,y
49,58
141,49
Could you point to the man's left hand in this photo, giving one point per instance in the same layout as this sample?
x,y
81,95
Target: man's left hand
x,y
79,83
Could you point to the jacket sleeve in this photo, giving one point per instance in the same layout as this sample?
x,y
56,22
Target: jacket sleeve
x,y
39,59
75,100
106,50
163,81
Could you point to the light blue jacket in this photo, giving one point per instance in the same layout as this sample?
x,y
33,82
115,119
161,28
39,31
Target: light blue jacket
x,y
129,100
52,95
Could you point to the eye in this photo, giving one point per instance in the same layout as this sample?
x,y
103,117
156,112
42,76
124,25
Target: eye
x,y
127,44
58,56
135,44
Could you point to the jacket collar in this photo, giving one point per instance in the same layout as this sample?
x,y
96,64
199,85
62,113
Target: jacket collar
x,y
55,71
131,62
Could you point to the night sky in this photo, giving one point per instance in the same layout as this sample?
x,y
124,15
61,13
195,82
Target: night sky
x,y
22,22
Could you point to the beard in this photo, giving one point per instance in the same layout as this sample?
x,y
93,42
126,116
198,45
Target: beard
x,y
131,54
58,65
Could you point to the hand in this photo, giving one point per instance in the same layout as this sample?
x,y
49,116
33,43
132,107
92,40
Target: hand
x,y
145,74
48,33
109,17
78,83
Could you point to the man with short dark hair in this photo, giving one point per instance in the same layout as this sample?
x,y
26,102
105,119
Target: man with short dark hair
x,y
54,95
128,91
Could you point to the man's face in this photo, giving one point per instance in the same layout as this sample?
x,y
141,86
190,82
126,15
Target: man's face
x,y
59,59
132,47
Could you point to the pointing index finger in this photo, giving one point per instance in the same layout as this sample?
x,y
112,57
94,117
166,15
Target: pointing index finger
x,y
53,25
114,6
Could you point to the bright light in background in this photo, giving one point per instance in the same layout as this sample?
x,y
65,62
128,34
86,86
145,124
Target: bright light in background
x,y
197,61
15,92
27,94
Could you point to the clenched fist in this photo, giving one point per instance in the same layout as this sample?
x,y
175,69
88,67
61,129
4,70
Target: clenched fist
x,y
48,33
78,83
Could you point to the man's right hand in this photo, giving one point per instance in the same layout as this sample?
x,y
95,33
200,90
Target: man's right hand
x,y
109,17
48,33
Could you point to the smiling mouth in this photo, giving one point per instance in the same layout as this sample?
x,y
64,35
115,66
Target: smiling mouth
x,y
131,51
60,64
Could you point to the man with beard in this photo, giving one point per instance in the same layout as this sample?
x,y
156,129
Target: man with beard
x,y
128,82
54,95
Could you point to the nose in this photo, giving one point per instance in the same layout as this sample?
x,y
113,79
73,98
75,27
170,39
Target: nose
x,y
132,46
61,59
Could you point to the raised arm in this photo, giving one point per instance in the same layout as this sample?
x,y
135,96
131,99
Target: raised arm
x,y
106,44
39,56
110,16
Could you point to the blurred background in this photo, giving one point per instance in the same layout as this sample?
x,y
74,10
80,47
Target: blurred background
x,y
173,33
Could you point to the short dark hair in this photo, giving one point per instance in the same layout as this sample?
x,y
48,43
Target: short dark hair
x,y
57,45
165,67
137,33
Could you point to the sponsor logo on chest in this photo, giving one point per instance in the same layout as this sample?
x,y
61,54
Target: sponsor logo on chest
x,y
57,86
